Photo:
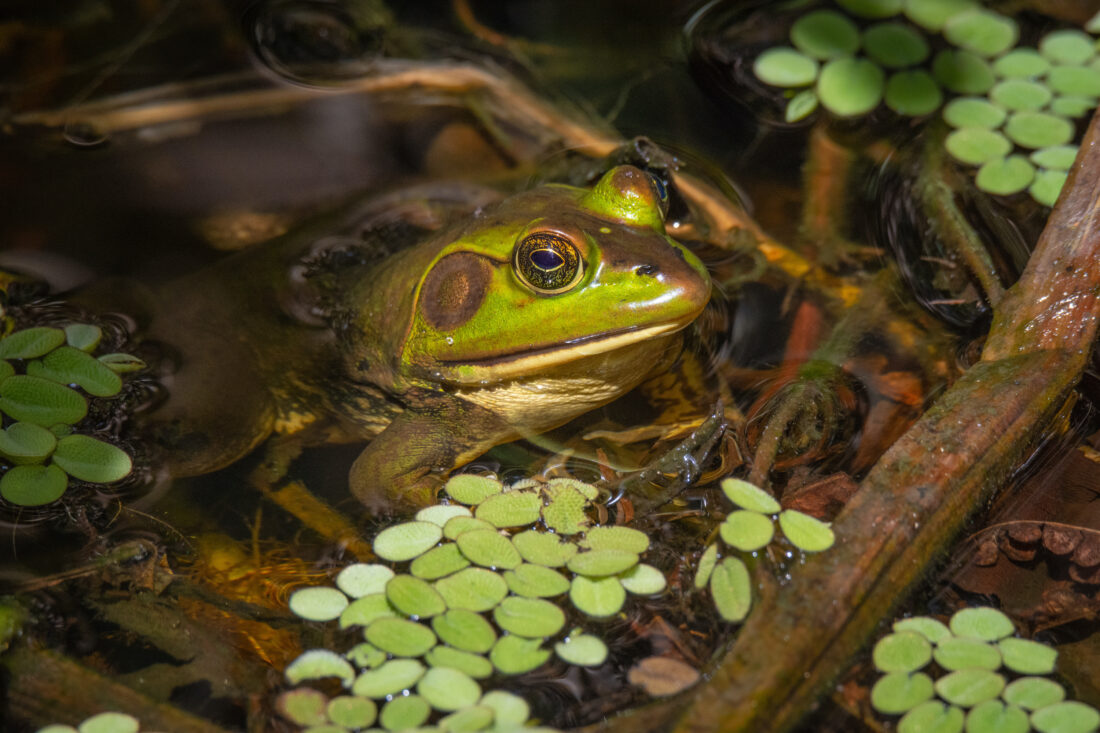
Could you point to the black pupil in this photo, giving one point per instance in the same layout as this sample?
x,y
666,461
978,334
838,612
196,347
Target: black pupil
x,y
546,259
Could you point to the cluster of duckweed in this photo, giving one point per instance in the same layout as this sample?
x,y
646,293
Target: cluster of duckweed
x,y
473,601
747,530
1009,97
991,681
101,723
47,376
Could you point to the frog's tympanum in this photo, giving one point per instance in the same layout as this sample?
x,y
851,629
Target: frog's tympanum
x,y
530,311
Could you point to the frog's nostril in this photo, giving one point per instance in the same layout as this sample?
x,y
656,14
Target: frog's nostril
x,y
646,270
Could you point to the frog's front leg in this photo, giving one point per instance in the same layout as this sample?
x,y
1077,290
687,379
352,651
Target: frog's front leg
x,y
403,466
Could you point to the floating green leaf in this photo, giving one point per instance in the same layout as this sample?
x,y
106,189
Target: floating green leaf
x,y
849,87
391,678
801,106
317,664
459,525
122,363
597,597
109,723
468,488
439,562
616,538
583,650
513,509
1075,81
365,656
1031,130
968,687
352,712
1069,46
599,563
400,637
414,597
934,14
871,8
516,655
1066,717
747,496
529,617
474,665
88,459
489,548
965,653
1020,94
962,72
448,689
83,336
407,540
1021,63
360,579
1033,693
31,343
747,531
318,604
895,45
404,713
588,491
982,32
543,548
973,112
1047,186
25,442
898,692
475,589
473,718
902,651
509,710
976,145
1027,657
732,589
536,581
805,532
366,610
33,485
933,630
993,716
643,580
781,66
565,512
824,35
41,401
707,561
981,622
465,630
912,93
6,370
304,706
440,513
932,717
67,365
1056,157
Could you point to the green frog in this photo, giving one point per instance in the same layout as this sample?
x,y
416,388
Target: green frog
x,y
525,313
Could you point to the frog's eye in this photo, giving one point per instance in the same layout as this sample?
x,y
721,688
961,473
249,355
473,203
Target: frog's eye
x,y
547,262
661,190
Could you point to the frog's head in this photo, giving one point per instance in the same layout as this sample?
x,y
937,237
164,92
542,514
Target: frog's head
x,y
549,277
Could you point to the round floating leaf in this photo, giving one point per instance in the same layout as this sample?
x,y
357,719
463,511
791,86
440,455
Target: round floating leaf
x,y
440,513
1033,693
824,34
304,706
6,370
473,718
472,664
1021,63
91,460
932,717
33,485
962,72
913,93
784,67
489,548
460,525
468,488
1056,157
968,687
963,653
516,655
707,562
895,45
933,14
897,692
400,637
465,630
122,363
414,597
805,532
977,145
931,629
365,656
801,106
543,548
509,710
41,401
983,32
536,581
1069,46
747,531
1020,94
583,650
110,723
25,442
871,8
565,512
993,716
448,689
747,496
850,86
391,678
973,112
597,597
643,580
732,589
662,676
352,712
439,562
529,617
403,713
67,365
318,604
513,509
366,610
981,622
31,343
902,651
1047,186
600,563
554,485
1074,81
83,336
1027,657
317,664
407,540
475,589
1072,106
1066,717
616,538
360,579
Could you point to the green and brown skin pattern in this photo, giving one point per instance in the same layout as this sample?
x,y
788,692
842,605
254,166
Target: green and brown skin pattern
x,y
513,321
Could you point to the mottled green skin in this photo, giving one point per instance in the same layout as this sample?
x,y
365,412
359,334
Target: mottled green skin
x,y
341,345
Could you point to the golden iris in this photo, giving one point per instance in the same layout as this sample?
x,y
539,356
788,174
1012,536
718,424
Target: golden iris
x,y
547,262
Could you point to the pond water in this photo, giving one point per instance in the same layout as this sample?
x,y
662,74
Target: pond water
x,y
230,192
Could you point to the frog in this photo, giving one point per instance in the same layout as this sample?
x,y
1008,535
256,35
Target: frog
x,y
507,321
